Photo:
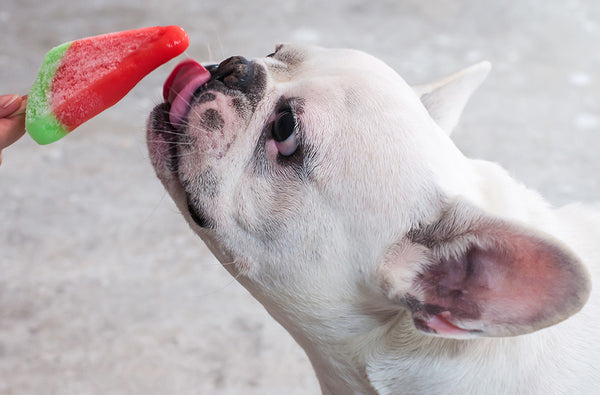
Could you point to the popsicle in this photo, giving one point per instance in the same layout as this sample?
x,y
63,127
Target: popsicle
x,y
80,79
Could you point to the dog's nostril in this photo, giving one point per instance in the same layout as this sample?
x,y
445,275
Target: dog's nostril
x,y
212,68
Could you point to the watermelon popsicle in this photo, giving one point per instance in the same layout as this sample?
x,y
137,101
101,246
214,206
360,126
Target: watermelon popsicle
x,y
81,78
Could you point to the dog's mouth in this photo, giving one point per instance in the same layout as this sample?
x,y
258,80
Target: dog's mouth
x,y
168,119
179,88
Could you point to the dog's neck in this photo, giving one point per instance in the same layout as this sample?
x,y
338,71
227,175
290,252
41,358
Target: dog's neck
x,y
383,354
361,350
337,341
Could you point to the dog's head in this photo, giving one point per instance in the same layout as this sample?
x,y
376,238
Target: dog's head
x,y
330,189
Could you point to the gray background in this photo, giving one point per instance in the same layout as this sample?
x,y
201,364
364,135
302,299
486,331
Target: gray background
x,y
103,288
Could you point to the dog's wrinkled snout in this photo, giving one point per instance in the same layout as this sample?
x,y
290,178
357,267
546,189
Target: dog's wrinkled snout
x,y
235,72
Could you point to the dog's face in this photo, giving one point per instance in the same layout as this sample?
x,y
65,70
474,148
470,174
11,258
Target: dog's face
x,y
326,187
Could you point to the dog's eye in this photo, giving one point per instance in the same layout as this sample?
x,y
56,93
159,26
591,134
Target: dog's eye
x,y
284,133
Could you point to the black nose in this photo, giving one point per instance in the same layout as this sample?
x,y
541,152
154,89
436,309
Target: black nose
x,y
211,68
235,72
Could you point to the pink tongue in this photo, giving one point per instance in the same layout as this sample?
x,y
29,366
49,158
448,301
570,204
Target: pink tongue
x,y
179,88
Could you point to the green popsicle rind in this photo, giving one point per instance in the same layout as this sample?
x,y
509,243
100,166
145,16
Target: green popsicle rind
x,y
40,122
45,129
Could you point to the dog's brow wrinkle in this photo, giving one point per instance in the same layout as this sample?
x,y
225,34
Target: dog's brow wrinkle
x,y
295,103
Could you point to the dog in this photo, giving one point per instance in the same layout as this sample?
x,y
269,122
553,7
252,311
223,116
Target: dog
x,y
331,190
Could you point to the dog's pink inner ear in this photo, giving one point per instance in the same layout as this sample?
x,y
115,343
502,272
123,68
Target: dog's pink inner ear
x,y
497,279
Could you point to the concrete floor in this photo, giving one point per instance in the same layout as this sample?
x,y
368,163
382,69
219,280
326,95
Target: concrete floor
x,y
104,290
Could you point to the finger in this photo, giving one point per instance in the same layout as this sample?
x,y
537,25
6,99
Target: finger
x,y
11,129
9,104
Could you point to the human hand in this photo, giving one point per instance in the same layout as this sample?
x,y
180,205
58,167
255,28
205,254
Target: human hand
x,y
12,119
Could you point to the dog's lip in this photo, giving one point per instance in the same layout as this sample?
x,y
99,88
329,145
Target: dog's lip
x,y
180,86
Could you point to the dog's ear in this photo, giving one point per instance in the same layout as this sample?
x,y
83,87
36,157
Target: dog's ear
x,y
446,98
470,274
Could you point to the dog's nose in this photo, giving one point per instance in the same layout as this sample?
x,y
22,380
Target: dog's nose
x,y
211,68
235,72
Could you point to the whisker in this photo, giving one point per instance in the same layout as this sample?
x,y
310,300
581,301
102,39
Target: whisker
x,y
178,94
173,132
183,143
220,288
209,50
184,154
221,45
228,284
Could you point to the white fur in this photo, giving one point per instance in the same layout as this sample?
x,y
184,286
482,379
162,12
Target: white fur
x,y
330,257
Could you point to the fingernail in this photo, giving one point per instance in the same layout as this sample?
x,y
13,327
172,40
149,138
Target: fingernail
x,y
7,100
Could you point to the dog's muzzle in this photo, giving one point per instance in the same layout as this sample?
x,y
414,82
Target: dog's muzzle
x,y
235,74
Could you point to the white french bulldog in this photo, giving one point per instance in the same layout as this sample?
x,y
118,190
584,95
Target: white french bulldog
x,y
330,189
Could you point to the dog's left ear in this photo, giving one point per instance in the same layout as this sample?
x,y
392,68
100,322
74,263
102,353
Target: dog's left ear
x,y
446,98
470,274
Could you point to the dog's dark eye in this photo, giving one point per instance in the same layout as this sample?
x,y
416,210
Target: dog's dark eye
x,y
284,126
284,133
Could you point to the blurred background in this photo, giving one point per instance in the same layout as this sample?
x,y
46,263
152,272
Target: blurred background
x,y
104,289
